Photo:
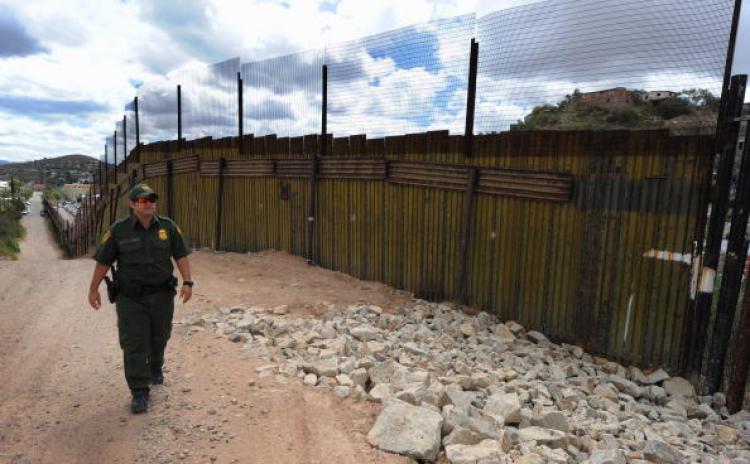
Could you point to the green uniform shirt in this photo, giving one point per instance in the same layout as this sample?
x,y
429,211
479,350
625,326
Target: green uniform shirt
x,y
143,255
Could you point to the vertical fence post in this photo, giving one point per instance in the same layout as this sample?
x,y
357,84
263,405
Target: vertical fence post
x,y
731,279
471,100
689,362
170,188
137,131
323,146
240,115
114,162
115,201
220,201
125,144
89,217
729,62
719,206
740,355
179,117
106,166
472,174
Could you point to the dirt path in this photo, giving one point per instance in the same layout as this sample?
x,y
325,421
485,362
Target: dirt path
x,y
63,396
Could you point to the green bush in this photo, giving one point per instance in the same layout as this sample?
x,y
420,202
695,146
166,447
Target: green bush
x,y
52,195
541,117
626,116
11,231
672,108
9,248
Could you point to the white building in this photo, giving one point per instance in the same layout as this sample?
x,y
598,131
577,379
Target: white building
x,y
656,95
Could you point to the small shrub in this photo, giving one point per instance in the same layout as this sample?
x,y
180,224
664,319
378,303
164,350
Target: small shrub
x,y
626,116
672,108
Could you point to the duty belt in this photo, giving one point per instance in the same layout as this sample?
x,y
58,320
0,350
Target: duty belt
x,y
142,290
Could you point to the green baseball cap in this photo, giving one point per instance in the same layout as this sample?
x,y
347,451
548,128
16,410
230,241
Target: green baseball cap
x,y
142,191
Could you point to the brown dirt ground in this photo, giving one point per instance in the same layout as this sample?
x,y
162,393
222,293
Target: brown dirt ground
x,y
64,399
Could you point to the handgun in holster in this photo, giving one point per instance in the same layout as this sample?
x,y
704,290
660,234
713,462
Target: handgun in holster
x,y
111,286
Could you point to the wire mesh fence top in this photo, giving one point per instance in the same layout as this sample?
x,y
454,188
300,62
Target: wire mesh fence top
x,y
407,80
157,110
283,95
209,100
538,54
536,62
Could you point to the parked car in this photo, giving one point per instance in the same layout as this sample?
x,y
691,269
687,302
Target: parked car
x,y
25,211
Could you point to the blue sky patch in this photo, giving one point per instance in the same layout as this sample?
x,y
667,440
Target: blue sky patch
x,y
329,5
444,95
40,107
409,48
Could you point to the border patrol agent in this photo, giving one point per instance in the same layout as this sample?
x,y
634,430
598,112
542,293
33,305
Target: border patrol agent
x,y
143,244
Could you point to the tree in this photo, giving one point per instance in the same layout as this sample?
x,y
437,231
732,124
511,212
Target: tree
x,y
701,98
541,116
671,108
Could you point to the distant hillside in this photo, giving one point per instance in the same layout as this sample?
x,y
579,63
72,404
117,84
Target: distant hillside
x,y
688,112
76,158
54,171
4,162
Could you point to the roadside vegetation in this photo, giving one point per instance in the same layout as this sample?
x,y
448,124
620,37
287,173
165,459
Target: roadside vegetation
x,y
52,195
11,211
11,230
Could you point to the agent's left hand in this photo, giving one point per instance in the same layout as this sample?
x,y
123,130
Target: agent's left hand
x,y
186,292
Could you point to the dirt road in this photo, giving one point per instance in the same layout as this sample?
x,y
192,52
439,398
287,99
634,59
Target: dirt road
x,y
64,399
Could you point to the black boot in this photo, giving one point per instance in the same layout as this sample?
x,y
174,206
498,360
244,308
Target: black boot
x,y
157,377
140,401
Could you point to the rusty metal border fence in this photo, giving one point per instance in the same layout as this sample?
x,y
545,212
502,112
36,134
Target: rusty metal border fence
x,y
584,235
76,237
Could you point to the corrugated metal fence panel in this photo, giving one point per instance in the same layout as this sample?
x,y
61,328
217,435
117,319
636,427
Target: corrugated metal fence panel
x,y
574,269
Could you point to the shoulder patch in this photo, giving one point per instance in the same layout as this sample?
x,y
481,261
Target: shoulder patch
x,y
171,222
106,236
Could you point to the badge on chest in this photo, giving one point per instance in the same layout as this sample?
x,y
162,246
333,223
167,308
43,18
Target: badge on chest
x,y
163,234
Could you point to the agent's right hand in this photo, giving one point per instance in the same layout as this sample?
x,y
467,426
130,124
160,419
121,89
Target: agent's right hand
x,y
94,299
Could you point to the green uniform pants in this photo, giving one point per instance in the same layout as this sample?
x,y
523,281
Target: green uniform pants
x,y
144,325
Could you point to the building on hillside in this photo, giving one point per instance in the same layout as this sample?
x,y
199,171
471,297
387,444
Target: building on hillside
x,y
75,191
4,186
40,187
657,95
621,96
609,98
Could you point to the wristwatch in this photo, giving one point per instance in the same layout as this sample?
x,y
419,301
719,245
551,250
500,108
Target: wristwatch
x,y
189,283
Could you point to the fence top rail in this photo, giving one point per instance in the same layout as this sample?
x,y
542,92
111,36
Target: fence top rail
x,y
360,147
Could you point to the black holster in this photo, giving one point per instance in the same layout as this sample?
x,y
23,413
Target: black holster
x,y
112,289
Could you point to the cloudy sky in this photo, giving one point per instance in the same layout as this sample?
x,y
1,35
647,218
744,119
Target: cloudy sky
x,y
67,68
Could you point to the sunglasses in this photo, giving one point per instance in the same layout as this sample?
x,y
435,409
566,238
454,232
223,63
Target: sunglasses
x,y
145,200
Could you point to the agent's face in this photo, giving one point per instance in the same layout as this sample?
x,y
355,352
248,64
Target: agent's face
x,y
144,207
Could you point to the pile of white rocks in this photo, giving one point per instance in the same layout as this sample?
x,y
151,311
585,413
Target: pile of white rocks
x,y
469,389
